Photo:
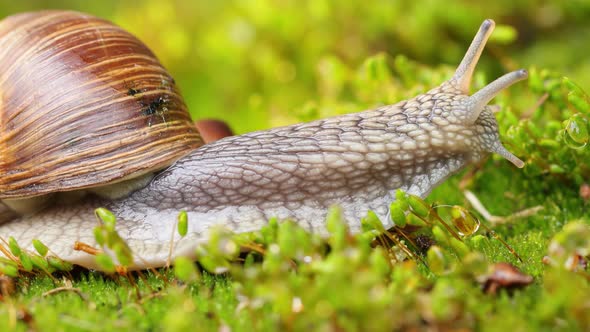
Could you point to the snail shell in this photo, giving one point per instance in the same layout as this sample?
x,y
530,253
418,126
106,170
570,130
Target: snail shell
x,y
83,103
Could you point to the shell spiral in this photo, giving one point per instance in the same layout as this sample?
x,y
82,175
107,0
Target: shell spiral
x,y
83,103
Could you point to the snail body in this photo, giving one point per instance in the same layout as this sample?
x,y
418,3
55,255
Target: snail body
x,y
356,161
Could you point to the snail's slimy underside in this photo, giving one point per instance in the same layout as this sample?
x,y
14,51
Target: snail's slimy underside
x,y
356,161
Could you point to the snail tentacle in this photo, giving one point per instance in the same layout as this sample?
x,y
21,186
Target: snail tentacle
x,y
464,72
476,103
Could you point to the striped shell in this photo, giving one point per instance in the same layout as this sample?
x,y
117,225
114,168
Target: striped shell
x,y
83,103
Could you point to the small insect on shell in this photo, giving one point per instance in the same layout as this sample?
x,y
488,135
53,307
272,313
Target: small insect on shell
x,y
84,103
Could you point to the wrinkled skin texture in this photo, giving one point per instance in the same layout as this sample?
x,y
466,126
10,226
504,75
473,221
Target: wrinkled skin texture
x,y
356,161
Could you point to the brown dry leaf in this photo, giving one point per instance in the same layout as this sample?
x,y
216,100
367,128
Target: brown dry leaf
x,y
504,275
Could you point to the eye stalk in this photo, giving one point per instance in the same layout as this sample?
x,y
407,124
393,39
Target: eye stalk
x,y
464,72
475,103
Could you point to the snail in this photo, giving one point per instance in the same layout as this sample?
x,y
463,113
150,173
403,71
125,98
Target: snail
x,y
356,161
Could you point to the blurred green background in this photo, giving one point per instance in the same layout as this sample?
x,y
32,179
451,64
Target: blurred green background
x,y
266,63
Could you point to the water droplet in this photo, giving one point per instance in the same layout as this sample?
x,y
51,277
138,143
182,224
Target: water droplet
x,y
465,222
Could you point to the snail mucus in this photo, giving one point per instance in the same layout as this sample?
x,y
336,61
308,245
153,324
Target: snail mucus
x,y
76,136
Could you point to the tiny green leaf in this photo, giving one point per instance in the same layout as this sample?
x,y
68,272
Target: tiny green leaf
x,y
59,264
40,247
99,235
105,262
107,217
39,262
185,270
14,247
182,223
371,222
437,260
8,270
419,207
579,102
26,262
397,213
123,253
440,235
